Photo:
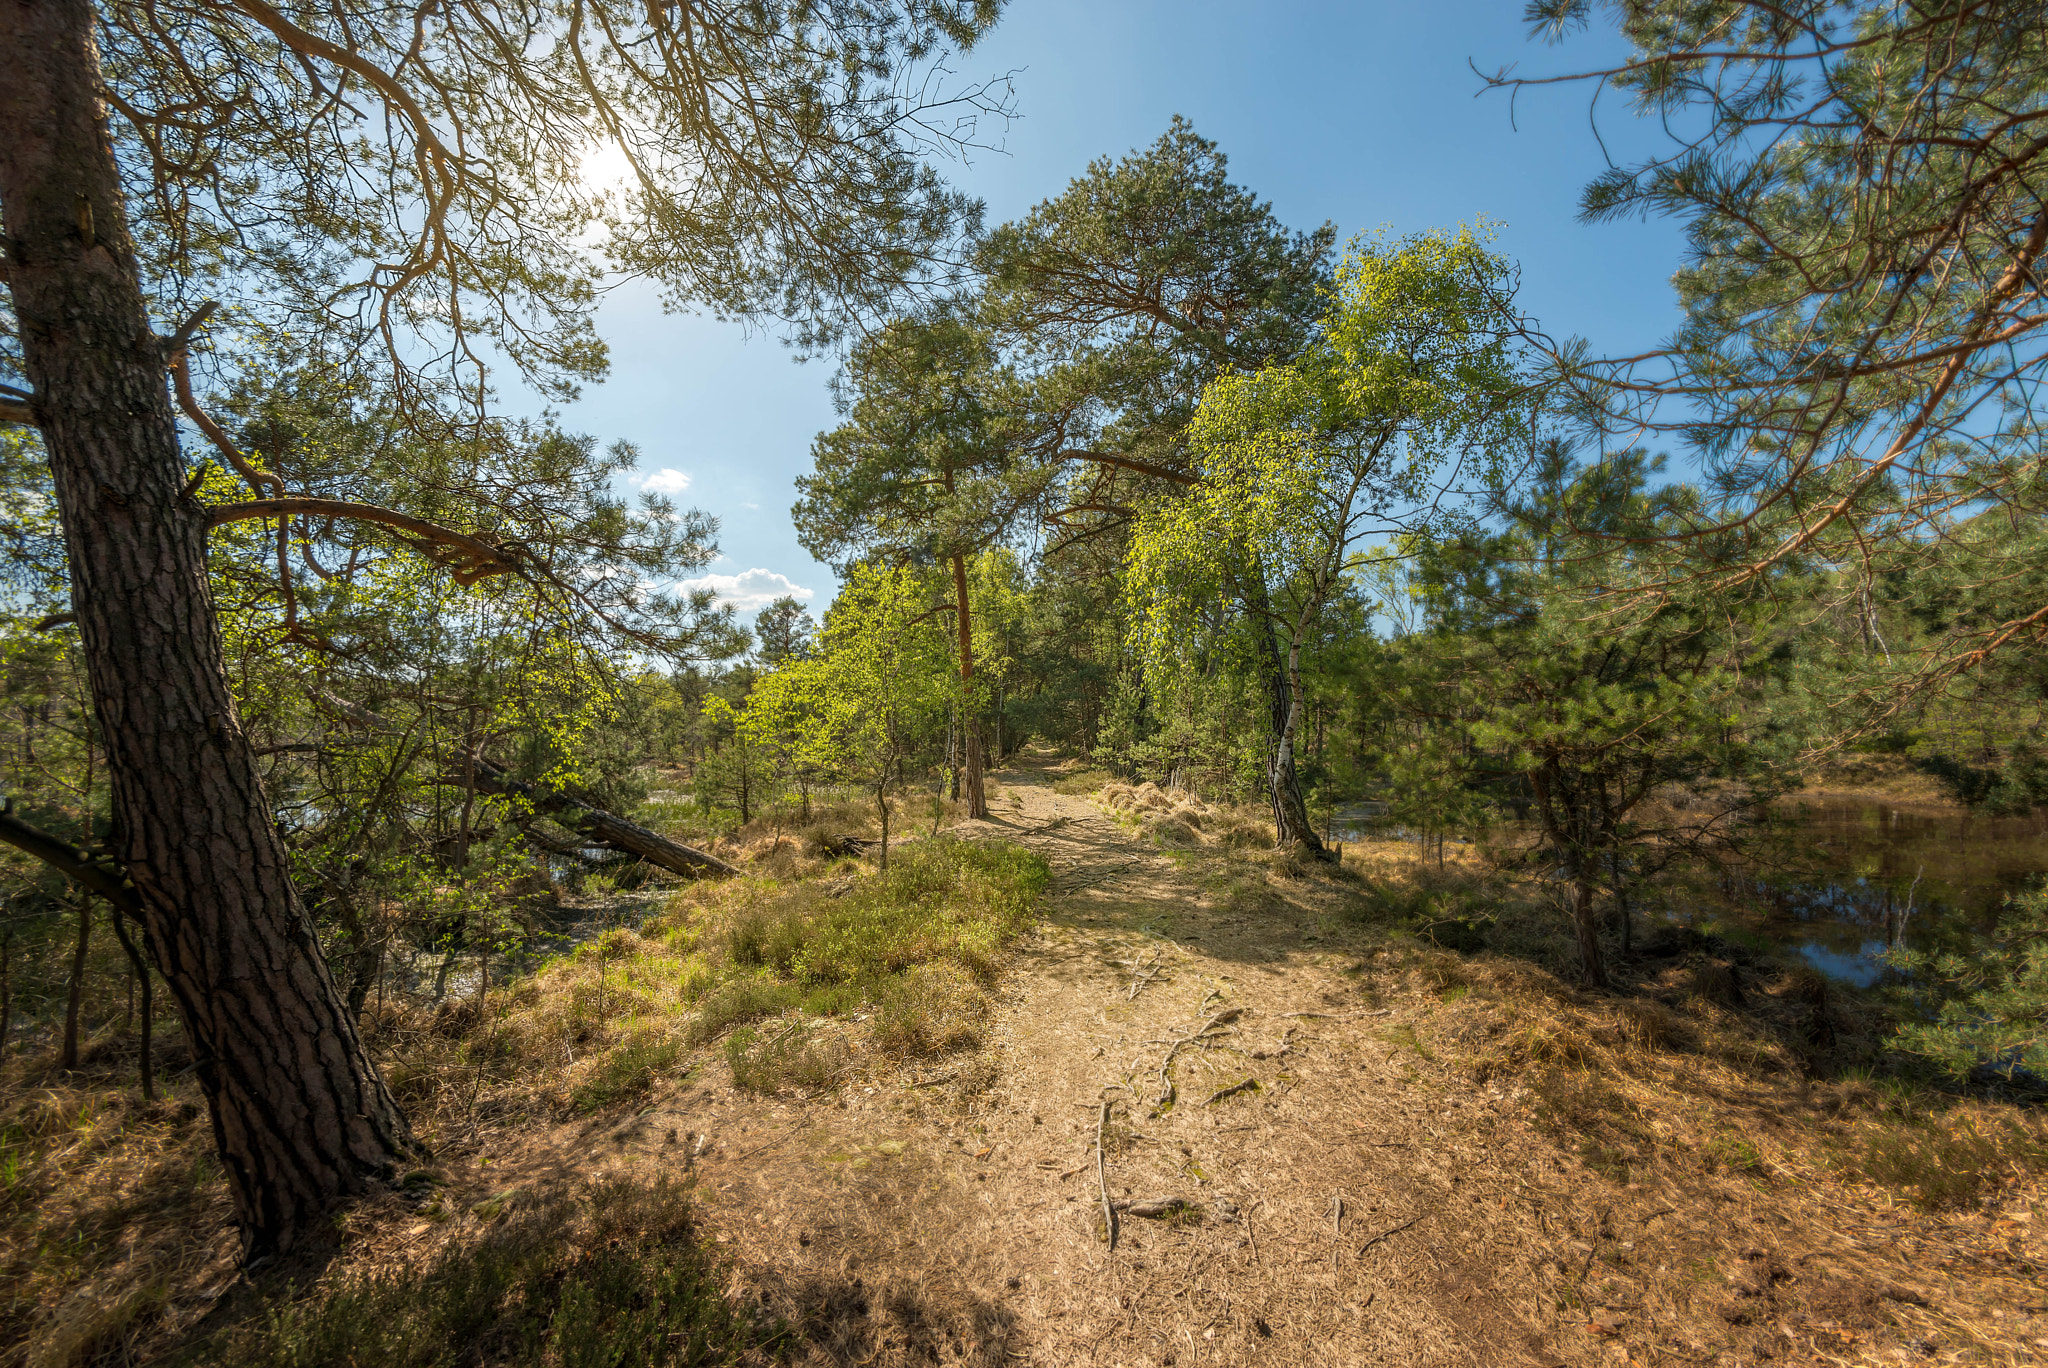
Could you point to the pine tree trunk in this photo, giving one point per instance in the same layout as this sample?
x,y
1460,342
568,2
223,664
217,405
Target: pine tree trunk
x,y
74,993
1586,923
970,726
301,1118
140,965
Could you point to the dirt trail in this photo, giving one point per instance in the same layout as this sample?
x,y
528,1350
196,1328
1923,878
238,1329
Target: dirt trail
x,y
1359,1201
957,1217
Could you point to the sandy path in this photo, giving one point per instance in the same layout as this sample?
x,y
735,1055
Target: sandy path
x,y
957,1218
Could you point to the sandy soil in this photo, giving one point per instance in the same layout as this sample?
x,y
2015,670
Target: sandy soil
x,y
1360,1202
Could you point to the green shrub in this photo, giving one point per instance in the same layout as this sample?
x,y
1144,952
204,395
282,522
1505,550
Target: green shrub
x,y
1995,998
739,1001
791,1057
932,1009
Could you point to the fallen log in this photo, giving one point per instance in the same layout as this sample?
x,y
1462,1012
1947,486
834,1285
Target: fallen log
x,y
576,811
593,823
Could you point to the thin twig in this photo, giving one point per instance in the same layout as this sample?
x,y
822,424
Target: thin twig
x,y
1394,1230
1149,971
1249,1085
1222,1018
1340,1016
770,1145
1102,1172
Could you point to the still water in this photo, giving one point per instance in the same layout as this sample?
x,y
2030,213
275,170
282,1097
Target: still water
x,y
1840,878
1847,876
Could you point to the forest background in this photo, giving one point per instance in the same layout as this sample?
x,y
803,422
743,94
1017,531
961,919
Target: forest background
x,y
1143,473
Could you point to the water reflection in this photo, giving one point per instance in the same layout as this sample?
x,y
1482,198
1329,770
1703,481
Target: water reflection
x,y
1847,877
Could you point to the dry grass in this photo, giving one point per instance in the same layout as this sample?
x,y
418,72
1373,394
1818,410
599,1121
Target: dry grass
x,y
1452,1154
1181,821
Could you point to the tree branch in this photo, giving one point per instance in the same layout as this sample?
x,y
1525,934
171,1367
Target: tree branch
x,y
70,861
467,557
1129,463
181,381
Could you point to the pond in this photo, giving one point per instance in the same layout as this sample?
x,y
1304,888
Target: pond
x,y
1845,876
1852,875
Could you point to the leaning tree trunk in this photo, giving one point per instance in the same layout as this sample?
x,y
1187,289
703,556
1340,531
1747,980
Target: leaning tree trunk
x,y
970,725
1283,786
300,1115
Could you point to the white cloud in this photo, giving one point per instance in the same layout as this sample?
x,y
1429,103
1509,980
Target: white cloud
x,y
751,506
667,480
749,591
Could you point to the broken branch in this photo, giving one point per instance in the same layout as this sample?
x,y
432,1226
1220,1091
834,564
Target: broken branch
x,y
593,822
1249,1085
1102,1172
1156,1208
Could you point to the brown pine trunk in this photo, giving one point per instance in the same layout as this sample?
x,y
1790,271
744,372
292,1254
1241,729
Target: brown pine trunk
x,y
147,1066
301,1118
1586,923
970,726
74,995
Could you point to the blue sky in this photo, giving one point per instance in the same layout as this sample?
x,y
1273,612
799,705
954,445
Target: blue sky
x,y
1365,114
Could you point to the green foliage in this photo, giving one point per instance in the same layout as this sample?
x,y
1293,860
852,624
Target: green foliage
x,y
877,690
1994,1009
1300,461
628,1070
790,1057
1858,373
1540,681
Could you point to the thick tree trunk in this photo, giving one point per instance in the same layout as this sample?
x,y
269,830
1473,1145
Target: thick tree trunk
x,y
970,725
300,1115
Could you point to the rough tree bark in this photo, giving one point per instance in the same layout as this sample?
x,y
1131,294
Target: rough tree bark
x,y
301,1118
1580,867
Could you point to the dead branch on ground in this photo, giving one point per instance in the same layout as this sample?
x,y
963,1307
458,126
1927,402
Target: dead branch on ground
x,y
1199,1037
